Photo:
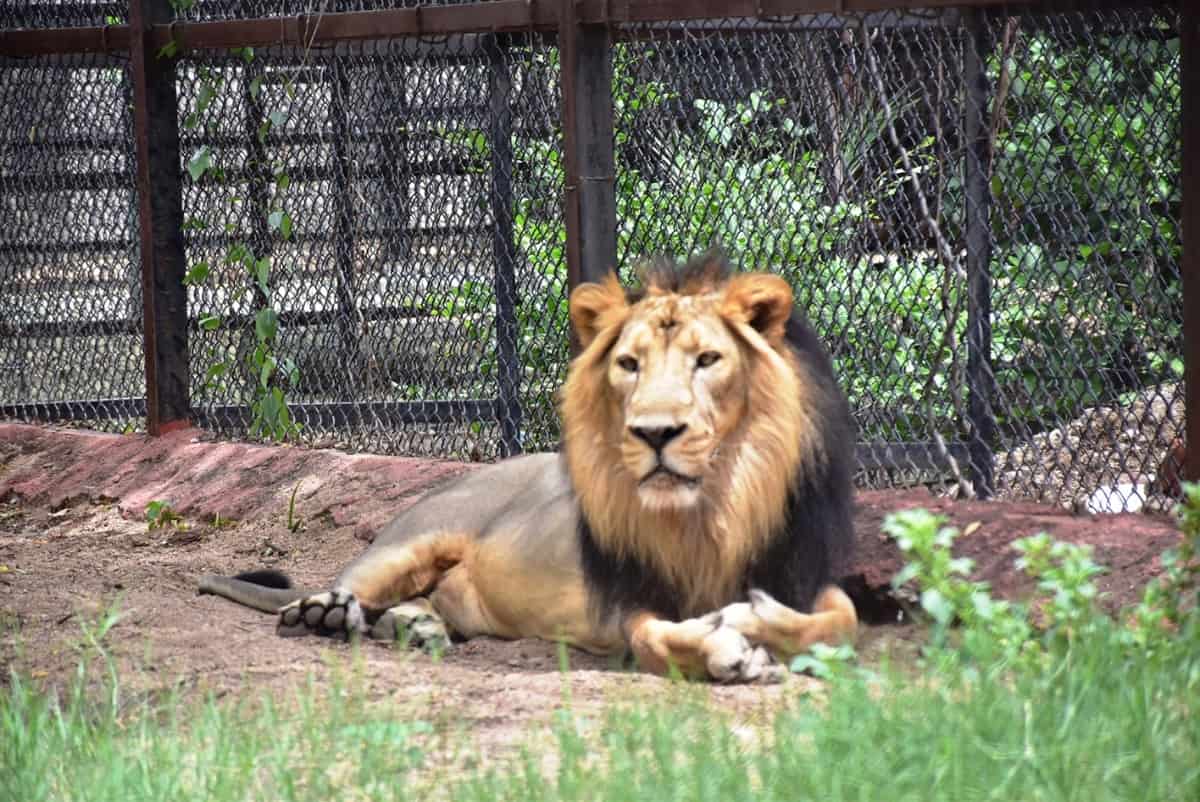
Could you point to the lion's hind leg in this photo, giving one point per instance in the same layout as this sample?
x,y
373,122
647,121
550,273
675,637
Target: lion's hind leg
x,y
382,595
787,632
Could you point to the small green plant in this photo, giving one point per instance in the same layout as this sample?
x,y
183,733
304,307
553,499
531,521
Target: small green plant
x,y
1063,610
160,514
1164,609
294,522
824,661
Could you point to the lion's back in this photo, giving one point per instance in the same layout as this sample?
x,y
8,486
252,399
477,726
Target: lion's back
x,y
477,502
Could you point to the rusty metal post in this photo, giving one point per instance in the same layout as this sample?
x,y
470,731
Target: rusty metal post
x,y
1189,262
977,194
160,220
345,221
585,53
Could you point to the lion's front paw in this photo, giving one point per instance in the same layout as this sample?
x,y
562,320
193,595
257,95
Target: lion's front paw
x,y
729,657
415,623
335,612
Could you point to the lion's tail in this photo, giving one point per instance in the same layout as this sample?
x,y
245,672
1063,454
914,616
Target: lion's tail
x,y
261,590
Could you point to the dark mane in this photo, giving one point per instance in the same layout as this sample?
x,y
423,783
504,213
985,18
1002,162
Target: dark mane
x,y
699,274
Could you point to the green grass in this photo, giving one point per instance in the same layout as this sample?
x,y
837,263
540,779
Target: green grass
x,y
1015,703
1091,726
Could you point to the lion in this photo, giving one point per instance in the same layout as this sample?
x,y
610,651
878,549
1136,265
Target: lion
x,y
693,517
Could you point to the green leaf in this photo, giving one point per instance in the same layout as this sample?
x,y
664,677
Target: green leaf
x,y
208,91
169,50
210,322
266,324
275,220
285,226
812,665
256,87
277,118
291,371
262,272
264,372
196,274
937,605
200,162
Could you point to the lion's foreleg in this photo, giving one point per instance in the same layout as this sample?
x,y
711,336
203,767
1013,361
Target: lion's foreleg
x,y
697,648
787,632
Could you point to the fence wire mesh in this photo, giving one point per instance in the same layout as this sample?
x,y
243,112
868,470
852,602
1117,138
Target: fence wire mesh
x,y
905,171
419,289
979,213
70,297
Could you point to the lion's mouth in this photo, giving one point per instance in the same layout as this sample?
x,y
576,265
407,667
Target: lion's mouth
x,y
663,474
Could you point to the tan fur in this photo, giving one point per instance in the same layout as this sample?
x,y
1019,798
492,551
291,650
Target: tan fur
x,y
499,551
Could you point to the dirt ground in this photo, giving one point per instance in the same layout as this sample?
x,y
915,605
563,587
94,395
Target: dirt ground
x,y
74,541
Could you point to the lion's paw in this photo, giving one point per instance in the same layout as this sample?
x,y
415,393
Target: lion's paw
x,y
730,658
335,612
414,623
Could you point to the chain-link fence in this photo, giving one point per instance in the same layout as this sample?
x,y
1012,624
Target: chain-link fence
x,y
979,211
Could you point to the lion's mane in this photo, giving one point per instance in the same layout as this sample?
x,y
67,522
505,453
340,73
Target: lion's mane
x,y
778,517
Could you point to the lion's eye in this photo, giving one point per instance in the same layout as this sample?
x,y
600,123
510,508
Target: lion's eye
x,y
707,358
628,363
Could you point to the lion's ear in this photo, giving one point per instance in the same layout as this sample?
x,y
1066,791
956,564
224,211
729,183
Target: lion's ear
x,y
760,300
595,307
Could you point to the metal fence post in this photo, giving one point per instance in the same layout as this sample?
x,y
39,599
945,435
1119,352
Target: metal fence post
x,y
160,218
508,364
1189,261
344,221
585,53
977,192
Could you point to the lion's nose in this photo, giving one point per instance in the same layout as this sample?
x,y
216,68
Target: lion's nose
x,y
657,436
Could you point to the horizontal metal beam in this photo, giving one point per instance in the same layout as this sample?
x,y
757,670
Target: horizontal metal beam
x,y
323,30
91,409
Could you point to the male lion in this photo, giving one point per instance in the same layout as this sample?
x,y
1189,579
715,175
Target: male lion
x,y
694,516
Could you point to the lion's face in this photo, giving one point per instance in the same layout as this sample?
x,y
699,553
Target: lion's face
x,y
675,374
660,396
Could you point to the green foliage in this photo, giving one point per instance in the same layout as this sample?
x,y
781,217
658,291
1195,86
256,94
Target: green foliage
x,y
1086,188
1062,612
1085,199
294,521
270,375
160,514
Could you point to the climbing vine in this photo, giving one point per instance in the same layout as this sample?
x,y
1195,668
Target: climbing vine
x,y
268,372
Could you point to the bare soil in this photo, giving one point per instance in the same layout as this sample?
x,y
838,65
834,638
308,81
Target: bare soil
x,y
67,556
